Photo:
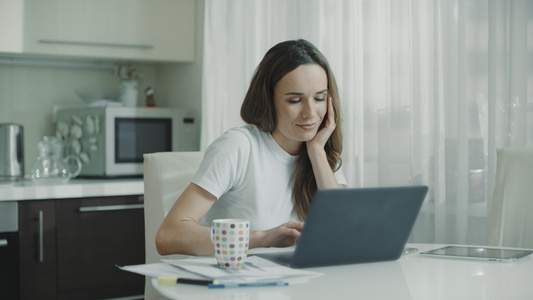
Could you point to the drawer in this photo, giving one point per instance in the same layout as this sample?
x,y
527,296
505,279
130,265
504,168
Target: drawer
x,y
93,236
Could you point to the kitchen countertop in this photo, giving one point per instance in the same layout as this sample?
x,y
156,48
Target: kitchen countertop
x,y
76,188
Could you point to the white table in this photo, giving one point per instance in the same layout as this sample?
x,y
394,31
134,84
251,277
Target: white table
x,y
413,276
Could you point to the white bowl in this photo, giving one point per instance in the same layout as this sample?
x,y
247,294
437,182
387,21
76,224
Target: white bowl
x,y
93,94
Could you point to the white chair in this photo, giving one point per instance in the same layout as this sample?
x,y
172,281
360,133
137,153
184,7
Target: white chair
x,y
510,221
166,175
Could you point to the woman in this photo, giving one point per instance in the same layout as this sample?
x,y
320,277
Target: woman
x,y
266,171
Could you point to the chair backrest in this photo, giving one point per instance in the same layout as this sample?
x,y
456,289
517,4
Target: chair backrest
x,y
166,175
510,221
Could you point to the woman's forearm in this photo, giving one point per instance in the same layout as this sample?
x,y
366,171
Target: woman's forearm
x,y
180,232
197,240
325,179
184,237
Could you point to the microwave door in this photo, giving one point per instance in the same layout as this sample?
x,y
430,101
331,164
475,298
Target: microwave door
x,y
133,137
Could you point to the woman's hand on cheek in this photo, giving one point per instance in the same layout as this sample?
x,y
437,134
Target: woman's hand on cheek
x,y
322,136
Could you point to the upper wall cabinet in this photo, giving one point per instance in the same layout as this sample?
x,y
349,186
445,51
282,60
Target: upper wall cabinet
x,y
11,12
145,30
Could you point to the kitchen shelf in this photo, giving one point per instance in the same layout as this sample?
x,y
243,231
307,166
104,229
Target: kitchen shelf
x,y
56,63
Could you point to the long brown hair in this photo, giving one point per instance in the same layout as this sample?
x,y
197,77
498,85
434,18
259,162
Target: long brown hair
x,y
258,109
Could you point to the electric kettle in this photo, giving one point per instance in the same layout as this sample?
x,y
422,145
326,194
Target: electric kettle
x,y
11,151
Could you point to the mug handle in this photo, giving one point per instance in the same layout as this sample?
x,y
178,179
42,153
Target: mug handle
x,y
211,233
78,163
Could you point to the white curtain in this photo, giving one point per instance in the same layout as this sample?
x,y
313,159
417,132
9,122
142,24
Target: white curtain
x,y
429,89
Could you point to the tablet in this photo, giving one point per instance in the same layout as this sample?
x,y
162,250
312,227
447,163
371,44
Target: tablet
x,y
483,253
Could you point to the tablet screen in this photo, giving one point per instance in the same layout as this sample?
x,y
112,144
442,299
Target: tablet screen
x,y
479,253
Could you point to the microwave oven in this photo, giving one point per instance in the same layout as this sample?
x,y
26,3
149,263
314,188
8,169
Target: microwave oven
x,y
110,141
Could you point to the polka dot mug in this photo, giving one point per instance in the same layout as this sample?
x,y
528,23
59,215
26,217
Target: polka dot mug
x,y
230,239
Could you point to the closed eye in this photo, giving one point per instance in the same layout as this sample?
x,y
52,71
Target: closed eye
x,y
321,96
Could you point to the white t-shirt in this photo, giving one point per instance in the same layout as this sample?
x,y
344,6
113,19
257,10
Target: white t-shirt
x,y
250,175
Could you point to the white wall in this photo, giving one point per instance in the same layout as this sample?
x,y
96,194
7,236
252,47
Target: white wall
x,y
180,85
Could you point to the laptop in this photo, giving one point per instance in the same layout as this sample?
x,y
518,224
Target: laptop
x,y
355,225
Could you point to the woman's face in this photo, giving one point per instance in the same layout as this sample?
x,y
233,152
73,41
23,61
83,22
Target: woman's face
x,y
300,100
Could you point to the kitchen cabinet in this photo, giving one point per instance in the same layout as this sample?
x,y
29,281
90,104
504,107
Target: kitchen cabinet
x,y
9,251
37,249
130,30
11,28
9,272
70,247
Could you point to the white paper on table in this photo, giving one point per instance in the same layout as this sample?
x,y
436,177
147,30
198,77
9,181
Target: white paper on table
x,y
255,268
160,269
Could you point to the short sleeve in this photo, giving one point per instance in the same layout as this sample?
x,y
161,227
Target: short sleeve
x,y
224,162
339,175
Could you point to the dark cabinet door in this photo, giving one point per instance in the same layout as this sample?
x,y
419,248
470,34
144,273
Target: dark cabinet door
x,y
93,236
9,265
37,249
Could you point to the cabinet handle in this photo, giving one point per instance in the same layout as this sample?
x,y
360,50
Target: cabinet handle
x,y
3,243
41,236
111,207
97,44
